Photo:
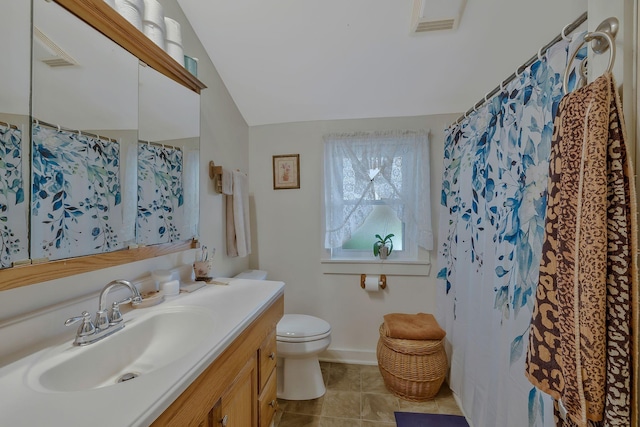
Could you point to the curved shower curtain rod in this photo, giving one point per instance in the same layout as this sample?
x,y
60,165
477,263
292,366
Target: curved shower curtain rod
x,y
566,30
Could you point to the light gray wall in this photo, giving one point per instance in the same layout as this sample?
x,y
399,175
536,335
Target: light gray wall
x,y
288,237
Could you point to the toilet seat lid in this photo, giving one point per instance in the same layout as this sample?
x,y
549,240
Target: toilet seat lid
x,y
298,326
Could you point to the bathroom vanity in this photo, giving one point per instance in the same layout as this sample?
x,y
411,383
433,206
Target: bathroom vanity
x,y
239,387
205,358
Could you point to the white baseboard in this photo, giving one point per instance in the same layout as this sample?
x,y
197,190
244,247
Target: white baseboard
x,y
355,357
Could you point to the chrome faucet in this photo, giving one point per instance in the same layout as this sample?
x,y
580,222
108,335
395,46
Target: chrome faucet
x,y
105,323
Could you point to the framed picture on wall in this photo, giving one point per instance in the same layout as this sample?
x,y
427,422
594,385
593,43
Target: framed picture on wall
x,y
286,171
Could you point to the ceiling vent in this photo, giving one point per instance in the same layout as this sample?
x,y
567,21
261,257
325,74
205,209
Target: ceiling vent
x,y
47,51
436,15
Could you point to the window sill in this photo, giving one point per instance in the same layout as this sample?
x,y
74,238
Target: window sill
x,y
365,266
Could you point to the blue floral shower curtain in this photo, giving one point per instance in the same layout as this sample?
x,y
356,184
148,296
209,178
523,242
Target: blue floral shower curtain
x,y
14,235
76,199
491,231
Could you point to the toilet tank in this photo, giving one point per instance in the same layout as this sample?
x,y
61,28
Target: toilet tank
x,y
253,274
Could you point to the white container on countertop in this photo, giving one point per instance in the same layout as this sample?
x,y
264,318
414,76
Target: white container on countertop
x,y
161,276
170,288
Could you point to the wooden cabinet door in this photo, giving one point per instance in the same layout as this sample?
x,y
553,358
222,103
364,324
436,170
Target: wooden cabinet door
x,y
266,359
239,402
268,403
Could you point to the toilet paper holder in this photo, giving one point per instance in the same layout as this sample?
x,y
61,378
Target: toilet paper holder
x,y
382,282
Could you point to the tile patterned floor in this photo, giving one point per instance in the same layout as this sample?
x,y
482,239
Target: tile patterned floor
x,y
356,397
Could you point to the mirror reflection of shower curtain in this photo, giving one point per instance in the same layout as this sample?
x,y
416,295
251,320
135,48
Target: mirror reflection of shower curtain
x,y
160,195
76,204
14,235
490,242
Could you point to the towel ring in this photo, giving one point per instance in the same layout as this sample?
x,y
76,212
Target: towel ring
x,y
587,38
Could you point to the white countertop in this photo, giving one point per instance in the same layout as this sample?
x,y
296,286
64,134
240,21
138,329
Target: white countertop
x,y
140,401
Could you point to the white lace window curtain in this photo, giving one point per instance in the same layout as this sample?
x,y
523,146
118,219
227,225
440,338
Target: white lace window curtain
x,y
363,169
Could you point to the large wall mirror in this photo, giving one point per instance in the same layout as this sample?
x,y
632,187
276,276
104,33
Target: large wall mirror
x,y
85,129
77,107
168,154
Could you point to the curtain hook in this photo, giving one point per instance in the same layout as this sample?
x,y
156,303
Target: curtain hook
x,y
79,132
540,57
59,130
37,122
502,87
564,36
485,97
518,75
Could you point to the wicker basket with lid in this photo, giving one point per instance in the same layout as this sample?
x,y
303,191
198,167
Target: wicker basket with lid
x,y
411,369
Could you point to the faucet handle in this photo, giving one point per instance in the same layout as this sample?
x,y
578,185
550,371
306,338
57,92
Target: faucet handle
x,y
86,327
134,300
116,316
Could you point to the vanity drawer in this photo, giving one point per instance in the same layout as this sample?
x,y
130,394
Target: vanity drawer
x,y
268,402
267,359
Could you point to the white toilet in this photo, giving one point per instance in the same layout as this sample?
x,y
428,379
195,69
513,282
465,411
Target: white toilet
x,y
299,340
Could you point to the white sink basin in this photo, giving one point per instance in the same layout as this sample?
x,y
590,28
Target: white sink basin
x,y
147,343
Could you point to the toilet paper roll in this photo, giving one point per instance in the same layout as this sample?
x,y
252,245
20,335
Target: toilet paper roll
x,y
154,12
131,10
154,33
173,32
175,51
372,284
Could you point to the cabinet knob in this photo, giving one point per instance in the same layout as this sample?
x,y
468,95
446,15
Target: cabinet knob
x,y
272,356
224,420
273,404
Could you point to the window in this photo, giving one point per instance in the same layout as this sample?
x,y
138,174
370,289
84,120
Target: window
x,y
377,183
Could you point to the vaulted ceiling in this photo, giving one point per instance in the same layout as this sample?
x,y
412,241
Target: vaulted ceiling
x,y
302,60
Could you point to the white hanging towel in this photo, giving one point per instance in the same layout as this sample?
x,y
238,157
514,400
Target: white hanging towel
x,y
227,182
238,231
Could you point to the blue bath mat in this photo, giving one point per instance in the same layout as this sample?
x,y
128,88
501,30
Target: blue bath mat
x,y
410,419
